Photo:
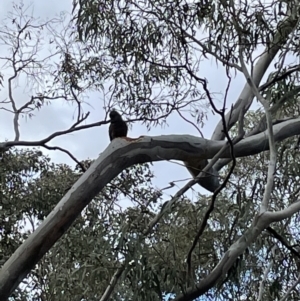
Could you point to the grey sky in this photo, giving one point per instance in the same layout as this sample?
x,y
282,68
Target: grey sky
x,y
89,143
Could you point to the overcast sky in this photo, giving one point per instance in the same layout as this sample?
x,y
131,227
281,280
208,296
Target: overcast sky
x,y
89,143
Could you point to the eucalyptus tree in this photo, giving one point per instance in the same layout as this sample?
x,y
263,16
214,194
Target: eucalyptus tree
x,y
249,164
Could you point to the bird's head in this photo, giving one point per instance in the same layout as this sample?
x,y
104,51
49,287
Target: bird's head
x,y
114,115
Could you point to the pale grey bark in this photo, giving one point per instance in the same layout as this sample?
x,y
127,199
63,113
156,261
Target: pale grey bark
x,y
246,97
260,222
120,154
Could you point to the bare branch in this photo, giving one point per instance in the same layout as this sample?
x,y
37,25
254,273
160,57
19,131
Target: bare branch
x,y
213,199
283,241
113,282
193,124
272,163
109,164
283,214
280,77
52,136
66,152
245,99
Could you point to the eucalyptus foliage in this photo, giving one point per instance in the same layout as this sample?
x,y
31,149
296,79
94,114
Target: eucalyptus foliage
x,y
150,54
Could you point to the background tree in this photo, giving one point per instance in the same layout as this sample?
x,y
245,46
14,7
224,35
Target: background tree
x,y
241,242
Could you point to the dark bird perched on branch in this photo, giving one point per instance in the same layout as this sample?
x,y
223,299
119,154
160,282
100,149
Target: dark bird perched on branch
x,y
118,127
